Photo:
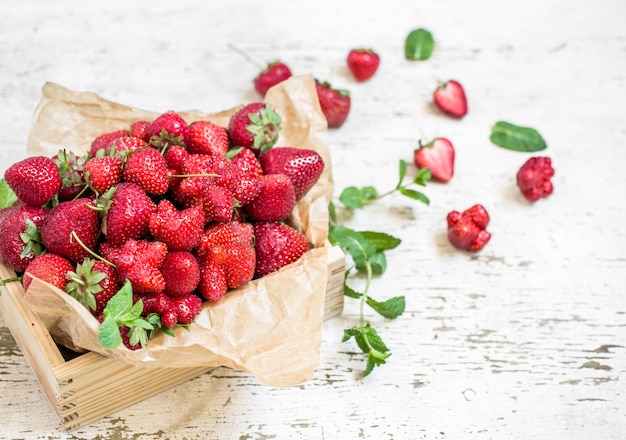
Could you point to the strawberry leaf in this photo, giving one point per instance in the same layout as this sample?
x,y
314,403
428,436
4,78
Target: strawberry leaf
x,y
419,45
7,196
517,138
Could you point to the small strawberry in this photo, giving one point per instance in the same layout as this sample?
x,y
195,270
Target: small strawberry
x,y
206,137
187,307
303,166
20,239
126,143
220,233
363,63
335,103
179,230
169,128
277,245
65,222
139,129
276,198
468,229
175,156
139,262
93,283
533,178
105,140
146,168
181,272
256,126
50,268
35,180
72,170
212,286
275,72
217,203
450,98
157,302
438,156
103,172
127,213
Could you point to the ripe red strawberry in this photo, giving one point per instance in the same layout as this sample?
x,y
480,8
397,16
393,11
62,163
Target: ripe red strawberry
x,y
127,214
179,230
303,166
50,268
450,98
276,198
181,272
35,180
139,129
275,72
438,156
71,168
246,163
256,126
93,283
153,302
169,128
127,143
68,218
220,233
175,156
103,172
335,103
533,178
187,308
226,266
105,140
277,245
139,262
206,137
146,168
217,202
363,63
212,286
468,229
20,240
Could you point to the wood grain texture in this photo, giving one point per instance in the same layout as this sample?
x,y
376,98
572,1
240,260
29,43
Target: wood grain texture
x,y
526,339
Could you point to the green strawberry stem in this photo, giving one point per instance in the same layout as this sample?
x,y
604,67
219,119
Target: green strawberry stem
x,y
9,280
89,251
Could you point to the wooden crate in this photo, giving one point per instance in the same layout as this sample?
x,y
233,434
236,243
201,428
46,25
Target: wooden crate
x,y
73,383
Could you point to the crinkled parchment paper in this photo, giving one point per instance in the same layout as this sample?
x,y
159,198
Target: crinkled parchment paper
x,y
271,328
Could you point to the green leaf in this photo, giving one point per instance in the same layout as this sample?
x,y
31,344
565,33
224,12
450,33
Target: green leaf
x,y
419,45
359,248
351,197
7,196
350,292
381,240
517,138
332,212
390,309
109,334
378,262
422,177
401,173
121,303
368,193
415,195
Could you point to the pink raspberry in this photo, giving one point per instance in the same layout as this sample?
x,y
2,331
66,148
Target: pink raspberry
x,y
467,229
533,178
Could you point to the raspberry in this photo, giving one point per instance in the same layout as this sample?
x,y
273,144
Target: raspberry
x,y
533,178
467,229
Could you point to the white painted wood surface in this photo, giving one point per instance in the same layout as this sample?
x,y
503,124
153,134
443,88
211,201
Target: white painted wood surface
x,y
526,339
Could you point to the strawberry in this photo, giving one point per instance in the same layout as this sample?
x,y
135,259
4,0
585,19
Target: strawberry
x,y
179,230
212,286
129,340
275,72
217,203
335,103
66,219
276,198
186,307
438,156
256,126
126,143
363,63
127,214
450,98
468,229
303,166
105,140
20,240
139,129
169,128
139,262
72,169
175,156
533,178
93,283
220,233
181,272
206,137
103,172
146,168
277,245
157,303
226,266
35,180
50,268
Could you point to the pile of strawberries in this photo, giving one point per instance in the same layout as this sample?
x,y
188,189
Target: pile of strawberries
x,y
183,212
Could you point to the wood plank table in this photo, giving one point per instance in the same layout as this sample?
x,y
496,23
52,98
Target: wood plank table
x,y
525,339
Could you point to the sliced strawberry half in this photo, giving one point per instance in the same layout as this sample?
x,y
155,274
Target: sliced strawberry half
x,y
450,98
438,156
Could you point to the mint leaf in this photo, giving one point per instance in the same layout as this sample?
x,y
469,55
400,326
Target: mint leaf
x,y
390,309
401,173
381,240
351,197
7,196
415,195
422,177
350,292
369,342
378,262
359,248
419,45
517,138
109,334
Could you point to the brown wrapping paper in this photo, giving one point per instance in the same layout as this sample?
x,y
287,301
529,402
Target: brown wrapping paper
x,y
271,327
